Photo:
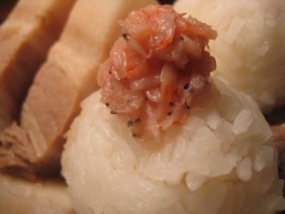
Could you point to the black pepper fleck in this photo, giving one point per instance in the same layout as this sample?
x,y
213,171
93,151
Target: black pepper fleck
x,y
130,123
137,121
113,112
171,104
169,113
186,86
125,36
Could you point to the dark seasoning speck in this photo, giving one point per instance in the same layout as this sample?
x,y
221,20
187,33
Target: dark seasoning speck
x,y
125,36
186,86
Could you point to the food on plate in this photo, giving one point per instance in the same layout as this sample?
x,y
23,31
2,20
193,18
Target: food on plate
x,y
24,197
214,158
33,147
250,47
218,161
25,38
155,69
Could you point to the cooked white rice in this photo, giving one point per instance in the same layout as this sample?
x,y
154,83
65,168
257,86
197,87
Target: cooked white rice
x,y
219,161
250,48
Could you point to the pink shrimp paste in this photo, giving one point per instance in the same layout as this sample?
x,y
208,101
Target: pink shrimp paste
x,y
155,68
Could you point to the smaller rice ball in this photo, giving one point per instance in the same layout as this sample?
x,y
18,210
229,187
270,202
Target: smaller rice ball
x,y
250,47
219,160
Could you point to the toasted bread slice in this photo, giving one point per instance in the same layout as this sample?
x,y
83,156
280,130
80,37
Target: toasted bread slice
x,y
68,76
25,38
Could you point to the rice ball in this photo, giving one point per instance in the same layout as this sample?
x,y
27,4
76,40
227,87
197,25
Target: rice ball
x,y
250,47
219,160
